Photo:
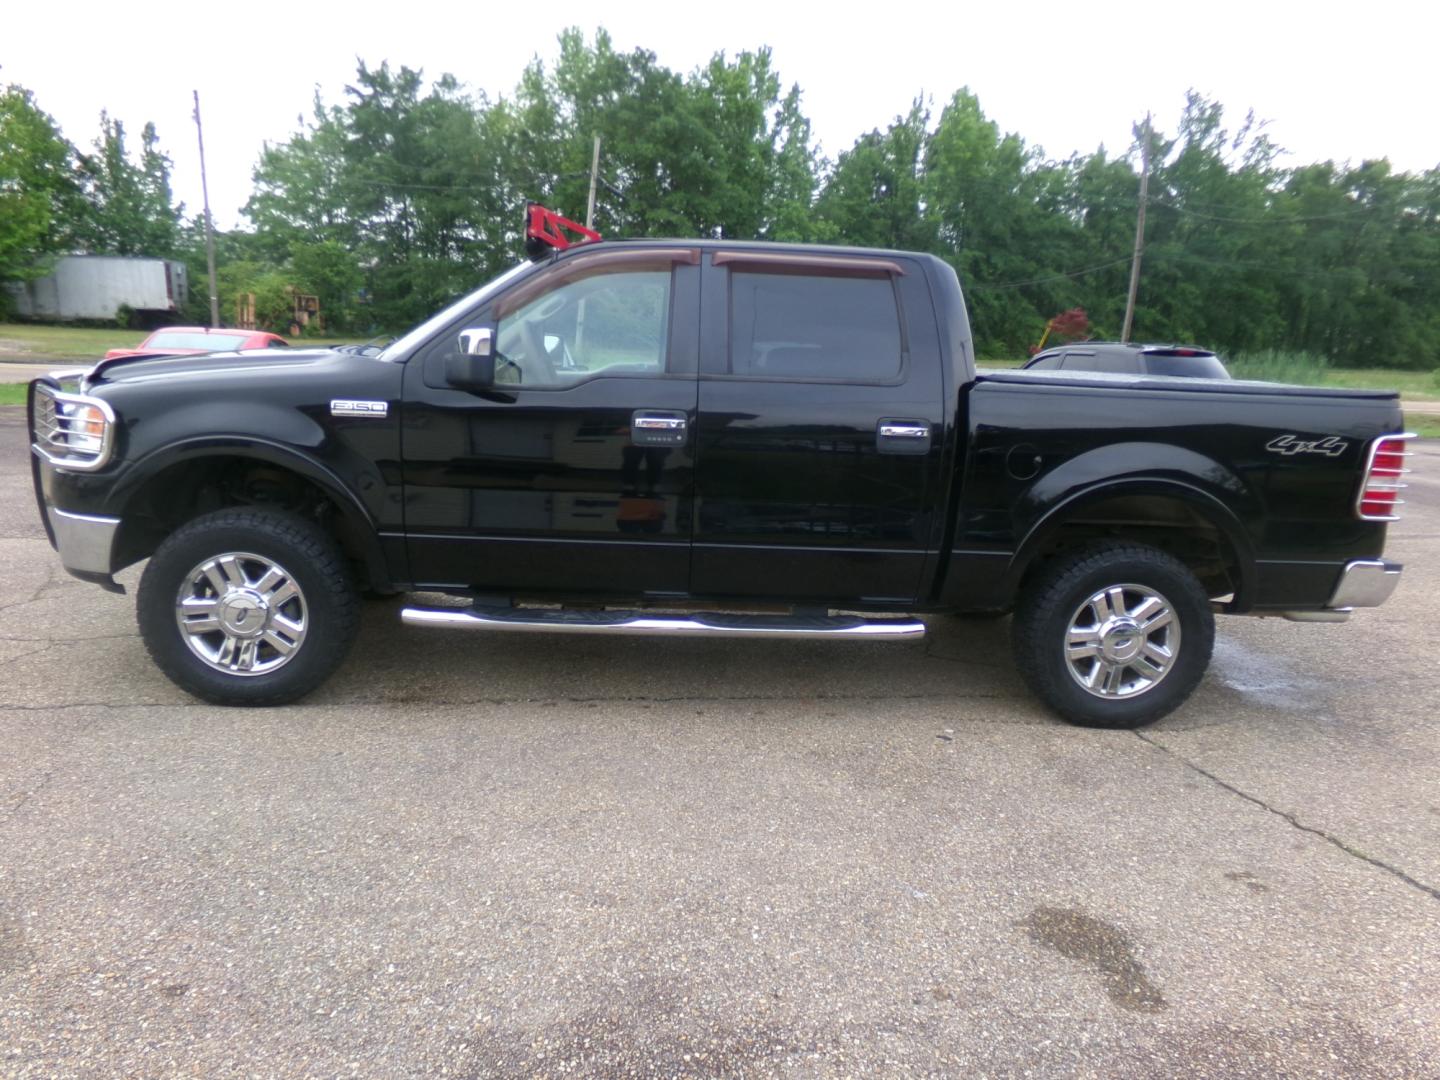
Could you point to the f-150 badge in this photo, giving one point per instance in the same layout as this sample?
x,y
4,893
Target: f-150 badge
x,y
346,407
1290,445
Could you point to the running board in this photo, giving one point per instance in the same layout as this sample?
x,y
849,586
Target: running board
x,y
709,624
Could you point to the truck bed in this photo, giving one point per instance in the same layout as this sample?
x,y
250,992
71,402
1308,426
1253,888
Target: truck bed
x,y
1104,381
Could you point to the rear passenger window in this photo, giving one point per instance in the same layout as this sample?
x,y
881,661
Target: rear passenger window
x,y
799,326
1113,362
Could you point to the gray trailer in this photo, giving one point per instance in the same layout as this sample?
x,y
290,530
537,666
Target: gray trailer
x,y
97,286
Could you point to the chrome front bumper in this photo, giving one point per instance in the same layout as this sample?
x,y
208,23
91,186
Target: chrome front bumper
x,y
1363,583
84,541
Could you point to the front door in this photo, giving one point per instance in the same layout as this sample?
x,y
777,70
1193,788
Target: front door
x,y
574,473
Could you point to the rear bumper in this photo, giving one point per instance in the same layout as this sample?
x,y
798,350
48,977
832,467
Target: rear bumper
x,y
1363,583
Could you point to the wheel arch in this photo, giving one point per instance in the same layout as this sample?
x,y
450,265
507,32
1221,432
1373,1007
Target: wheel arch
x,y
183,479
1174,514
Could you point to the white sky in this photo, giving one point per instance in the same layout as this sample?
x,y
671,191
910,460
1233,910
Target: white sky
x,y
1334,80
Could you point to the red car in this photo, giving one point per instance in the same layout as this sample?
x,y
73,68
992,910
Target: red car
x,y
188,340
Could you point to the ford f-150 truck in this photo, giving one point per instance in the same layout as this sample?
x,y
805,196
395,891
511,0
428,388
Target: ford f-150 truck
x,y
719,439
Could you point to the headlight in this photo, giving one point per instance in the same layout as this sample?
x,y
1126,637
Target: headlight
x,y
71,431
85,432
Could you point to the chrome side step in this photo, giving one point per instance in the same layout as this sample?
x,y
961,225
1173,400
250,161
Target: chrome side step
x,y
708,624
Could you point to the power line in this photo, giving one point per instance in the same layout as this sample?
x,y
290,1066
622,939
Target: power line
x,y
1278,217
1061,276
1152,254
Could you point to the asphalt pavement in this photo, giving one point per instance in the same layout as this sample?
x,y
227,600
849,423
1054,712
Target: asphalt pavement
x,y
482,856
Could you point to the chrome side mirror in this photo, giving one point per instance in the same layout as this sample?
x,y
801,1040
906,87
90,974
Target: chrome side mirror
x,y
478,341
474,367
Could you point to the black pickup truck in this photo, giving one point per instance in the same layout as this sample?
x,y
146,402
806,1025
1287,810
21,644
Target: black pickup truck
x,y
718,439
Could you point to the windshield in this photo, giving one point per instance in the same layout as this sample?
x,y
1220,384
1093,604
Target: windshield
x,y
208,342
435,323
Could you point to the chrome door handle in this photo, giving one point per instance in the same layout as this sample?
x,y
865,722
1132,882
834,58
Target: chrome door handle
x,y
657,427
659,423
901,435
904,431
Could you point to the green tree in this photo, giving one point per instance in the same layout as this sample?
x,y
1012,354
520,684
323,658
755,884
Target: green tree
x,y
874,197
326,269
997,221
37,189
129,207
303,188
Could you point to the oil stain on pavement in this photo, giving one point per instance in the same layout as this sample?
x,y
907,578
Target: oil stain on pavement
x,y
1100,946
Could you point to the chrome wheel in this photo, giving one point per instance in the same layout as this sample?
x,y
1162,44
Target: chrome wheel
x,y
1122,641
242,614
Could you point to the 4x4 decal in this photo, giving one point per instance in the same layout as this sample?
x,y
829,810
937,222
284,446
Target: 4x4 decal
x,y
1289,445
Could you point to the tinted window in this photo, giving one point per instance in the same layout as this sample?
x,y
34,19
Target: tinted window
x,y
1118,363
277,343
1049,363
603,324
211,342
808,327
1197,367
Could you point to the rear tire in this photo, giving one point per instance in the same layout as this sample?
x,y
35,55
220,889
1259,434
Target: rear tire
x,y
1113,635
248,607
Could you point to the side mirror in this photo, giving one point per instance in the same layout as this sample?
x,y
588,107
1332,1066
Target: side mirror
x,y
478,341
474,367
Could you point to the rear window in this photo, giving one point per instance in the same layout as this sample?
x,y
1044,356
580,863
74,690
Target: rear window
x,y
1117,363
208,342
800,326
1196,367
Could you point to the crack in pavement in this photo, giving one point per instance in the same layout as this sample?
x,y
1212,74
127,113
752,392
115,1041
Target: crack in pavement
x,y
6,707
7,813
463,702
1287,816
66,640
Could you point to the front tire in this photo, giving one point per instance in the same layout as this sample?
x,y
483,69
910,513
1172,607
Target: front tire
x,y
1114,635
248,607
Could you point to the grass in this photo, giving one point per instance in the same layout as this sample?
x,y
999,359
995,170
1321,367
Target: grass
x,y
25,340
1309,369
1279,365
12,393
1417,385
31,341
1427,427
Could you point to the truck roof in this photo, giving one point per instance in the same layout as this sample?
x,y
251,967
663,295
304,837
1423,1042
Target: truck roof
x,y
748,245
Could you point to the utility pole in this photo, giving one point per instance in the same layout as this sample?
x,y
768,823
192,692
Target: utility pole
x,y
594,175
209,227
1139,232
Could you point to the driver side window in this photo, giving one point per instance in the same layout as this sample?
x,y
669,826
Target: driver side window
x,y
603,324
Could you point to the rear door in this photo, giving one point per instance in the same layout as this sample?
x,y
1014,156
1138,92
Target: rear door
x,y
821,422
573,474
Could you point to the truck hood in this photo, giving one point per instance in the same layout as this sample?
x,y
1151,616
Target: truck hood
x,y
263,362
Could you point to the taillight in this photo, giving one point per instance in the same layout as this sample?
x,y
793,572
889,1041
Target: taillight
x,y
1381,486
